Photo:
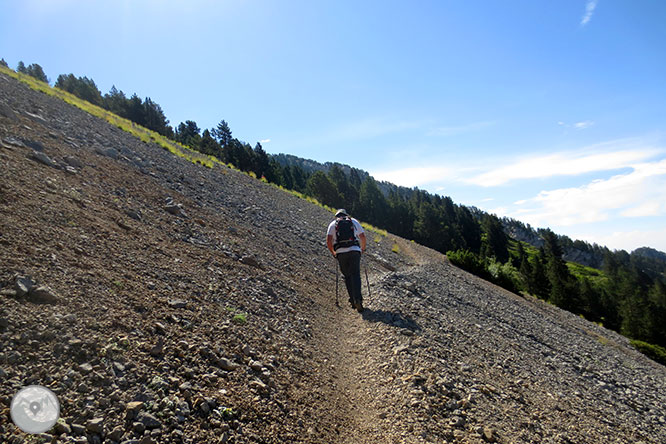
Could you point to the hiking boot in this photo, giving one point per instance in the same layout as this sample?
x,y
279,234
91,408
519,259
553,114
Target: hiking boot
x,y
359,307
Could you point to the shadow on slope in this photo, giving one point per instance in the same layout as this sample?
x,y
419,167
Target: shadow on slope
x,y
391,318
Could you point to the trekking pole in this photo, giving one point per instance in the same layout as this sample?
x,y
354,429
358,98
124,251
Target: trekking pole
x,y
337,304
367,281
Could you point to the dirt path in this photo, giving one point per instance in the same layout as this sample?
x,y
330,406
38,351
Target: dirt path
x,y
361,350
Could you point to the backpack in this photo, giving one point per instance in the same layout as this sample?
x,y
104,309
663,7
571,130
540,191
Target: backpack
x,y
344,233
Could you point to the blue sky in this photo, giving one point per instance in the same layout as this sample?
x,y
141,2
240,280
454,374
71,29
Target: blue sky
x,y
553,113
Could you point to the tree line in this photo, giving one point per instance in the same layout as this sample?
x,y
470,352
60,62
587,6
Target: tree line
x,y
628,294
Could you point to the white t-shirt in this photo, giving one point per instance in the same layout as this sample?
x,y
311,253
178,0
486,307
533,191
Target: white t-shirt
x,y
358,229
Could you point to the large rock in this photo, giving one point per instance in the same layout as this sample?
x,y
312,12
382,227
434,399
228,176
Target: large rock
x,y
22,285
43,158
43,295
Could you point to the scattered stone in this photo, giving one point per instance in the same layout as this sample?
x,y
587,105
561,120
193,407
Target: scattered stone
x,y
85,368
226,364
108,152
4,323
147,440
62,427
73,162
35,145
258,385
457,421
11,141
177,303
399,349
174,208
134,214
8,292
148,420
43,159
7,112
78,429
116,434
256,365
43,295
158,349
133,408
489,434
22,285
251,261
138,428
95,425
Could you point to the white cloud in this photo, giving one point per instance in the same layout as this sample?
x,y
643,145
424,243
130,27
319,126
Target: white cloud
x,y
590,6
583,125
262,141
645,209
640,193
567,163
624,240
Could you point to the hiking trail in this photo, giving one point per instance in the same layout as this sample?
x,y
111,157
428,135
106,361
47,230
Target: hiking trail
x,y
166,302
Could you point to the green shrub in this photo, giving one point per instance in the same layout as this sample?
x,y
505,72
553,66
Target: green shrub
x,y
654,352
469,261
504,275
240,318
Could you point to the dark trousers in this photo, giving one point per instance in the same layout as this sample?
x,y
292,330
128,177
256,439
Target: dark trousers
x,y
350,266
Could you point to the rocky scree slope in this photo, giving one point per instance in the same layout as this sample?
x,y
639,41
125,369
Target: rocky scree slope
x,y
167,302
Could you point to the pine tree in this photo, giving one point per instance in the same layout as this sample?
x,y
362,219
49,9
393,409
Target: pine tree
x,y
563,289
321,188
539,280
37,72
261,164
371,203
494,240
222,133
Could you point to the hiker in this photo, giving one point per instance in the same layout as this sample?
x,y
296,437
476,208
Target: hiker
x,y
346,241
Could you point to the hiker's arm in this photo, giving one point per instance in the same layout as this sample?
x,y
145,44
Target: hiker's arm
x,y
329,244
363,243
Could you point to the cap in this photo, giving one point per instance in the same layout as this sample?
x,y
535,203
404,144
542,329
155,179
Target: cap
x,y
341,212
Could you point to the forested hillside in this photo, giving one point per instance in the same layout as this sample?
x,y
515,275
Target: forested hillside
x,y
626,292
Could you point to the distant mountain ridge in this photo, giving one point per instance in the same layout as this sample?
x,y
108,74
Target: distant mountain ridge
x,y
579,251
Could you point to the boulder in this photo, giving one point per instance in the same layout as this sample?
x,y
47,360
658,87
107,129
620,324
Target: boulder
x,y
43,158
22,285
43,295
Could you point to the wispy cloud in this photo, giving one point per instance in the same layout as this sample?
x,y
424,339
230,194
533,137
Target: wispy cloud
x,y
460,129
627,240
578,125
584,124
262,141
602,157
590,6
639,193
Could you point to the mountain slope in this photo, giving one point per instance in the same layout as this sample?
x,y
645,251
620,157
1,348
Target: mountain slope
x,y
198,305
